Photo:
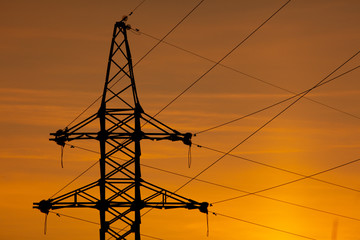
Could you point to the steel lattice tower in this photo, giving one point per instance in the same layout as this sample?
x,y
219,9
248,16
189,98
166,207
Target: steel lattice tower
x,y
120,194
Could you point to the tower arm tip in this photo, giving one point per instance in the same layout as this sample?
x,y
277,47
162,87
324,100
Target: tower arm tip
x,y
44,206
60,136
203,207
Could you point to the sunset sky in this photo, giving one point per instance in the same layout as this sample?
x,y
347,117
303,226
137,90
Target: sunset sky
x,y
53,64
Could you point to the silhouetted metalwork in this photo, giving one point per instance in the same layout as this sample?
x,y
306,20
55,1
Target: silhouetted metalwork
x,y
120,193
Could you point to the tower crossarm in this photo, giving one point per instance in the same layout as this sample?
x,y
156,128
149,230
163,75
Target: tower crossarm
x,y
121,128
164,199
164,132
85,197
81,197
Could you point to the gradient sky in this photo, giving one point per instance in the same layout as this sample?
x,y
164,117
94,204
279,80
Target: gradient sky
x,y
53,62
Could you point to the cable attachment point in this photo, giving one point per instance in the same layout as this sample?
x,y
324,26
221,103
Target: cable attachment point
x,y
187,139
122,24
204,207
61,136
135,31
124,18
44,206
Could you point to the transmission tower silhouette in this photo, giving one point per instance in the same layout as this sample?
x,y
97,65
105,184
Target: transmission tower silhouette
x,y
120,194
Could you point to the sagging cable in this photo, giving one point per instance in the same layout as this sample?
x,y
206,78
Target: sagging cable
x,y
189,156
61,136
207,224
45,224
62,156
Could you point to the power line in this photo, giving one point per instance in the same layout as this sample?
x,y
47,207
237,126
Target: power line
x,y
165,36
131,13
96,223
87,108
248,115
261,80
239,190
247,221
72,217
261,225
85,149
215,213
75,179
217,202
218,62
301,96
290,182
307,207
268,122
266,197
278,103
246,74
278,168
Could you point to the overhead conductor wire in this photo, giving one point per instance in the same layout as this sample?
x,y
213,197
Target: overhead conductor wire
x,y
197,80
222,59
96,223
141,3
239,190
267,165
215,64
261,225
244,74
288,171
290,182
277,103
204,75
269,121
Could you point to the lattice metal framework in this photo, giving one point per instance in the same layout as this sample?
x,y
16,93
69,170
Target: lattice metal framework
x,y
120,194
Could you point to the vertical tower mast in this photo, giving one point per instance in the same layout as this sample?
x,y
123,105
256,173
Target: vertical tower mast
x,y
120,47
120,184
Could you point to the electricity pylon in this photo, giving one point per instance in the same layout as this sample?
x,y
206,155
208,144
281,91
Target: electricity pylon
x,y
120,194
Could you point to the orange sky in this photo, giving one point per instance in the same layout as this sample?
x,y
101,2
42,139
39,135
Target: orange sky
x,y
53,61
